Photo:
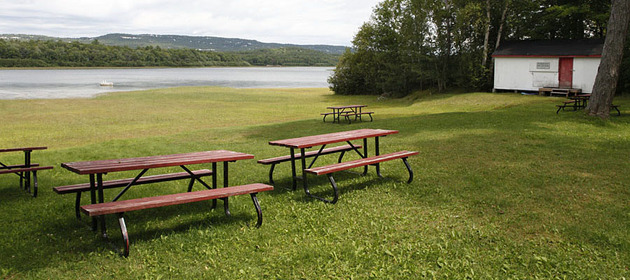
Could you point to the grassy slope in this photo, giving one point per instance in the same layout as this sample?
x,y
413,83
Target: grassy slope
x,y
504,188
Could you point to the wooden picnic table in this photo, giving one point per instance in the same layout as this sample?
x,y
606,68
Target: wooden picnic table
x,y
347,111
303,143
25,171
96,170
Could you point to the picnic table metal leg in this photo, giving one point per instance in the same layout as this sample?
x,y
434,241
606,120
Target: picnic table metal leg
x,y
365,154
226,205
214,183
303,160
27,174
258,210
101,198
93,198
35,184
336,191
378,152
408,169
273,165
125,235
293,171
77,206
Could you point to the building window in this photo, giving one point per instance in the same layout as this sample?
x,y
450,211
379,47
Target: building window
x,y
543,65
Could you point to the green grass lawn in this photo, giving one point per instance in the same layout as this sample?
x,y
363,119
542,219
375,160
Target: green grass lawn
x,y
504,188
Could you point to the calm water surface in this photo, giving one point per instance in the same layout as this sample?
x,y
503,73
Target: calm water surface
x,y
76,83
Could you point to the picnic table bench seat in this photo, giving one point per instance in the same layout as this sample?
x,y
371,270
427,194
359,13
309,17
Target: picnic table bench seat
x,y
326,115
356,115
21,169
330,169
569,103
574,104
273,161
84,187
122,206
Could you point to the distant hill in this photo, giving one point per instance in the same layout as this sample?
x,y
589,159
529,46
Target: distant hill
x,y
219,44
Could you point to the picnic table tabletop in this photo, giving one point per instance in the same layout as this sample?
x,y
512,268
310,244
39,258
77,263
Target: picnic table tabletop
x,y
113,165
586,95
346,106
22,149
329,138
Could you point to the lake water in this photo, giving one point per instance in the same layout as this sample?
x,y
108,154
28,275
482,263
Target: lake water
x,y
77,83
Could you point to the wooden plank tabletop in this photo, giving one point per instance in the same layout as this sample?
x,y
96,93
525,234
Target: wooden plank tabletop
x,y
323,139
114,165
346,106
22,149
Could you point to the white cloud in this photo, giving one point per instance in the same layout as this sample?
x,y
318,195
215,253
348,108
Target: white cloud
x,y
282,21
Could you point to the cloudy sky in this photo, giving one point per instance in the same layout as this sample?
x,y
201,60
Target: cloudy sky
x,y
332,22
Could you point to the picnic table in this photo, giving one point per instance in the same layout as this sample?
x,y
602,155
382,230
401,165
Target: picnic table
x,y
25,171
303,143
580,101
96,169
347,112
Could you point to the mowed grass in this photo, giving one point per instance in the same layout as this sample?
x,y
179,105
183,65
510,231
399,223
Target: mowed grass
x,y
504,189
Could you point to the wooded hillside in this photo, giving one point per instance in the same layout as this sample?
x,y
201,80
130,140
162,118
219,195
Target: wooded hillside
x,y
50,53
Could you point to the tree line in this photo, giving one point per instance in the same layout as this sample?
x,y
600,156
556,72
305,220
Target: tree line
x,y
412,45
50,53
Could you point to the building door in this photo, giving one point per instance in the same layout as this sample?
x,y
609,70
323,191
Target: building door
x,y
565,73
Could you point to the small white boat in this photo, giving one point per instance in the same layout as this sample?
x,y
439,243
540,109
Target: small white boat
x,y
106,84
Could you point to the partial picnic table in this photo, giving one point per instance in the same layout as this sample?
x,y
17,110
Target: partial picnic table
x,y
347,112
25,170
581,100
303,143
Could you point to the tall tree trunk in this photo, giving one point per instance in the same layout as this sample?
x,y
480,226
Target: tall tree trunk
x,y
608,71
487,36
503,15
499,35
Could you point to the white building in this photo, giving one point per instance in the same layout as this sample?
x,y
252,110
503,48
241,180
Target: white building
x,y
534,64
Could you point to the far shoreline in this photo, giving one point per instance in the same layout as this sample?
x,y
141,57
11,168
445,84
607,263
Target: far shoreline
x,y
156,67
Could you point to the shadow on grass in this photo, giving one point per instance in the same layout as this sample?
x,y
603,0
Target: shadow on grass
x,y
67,238
509,161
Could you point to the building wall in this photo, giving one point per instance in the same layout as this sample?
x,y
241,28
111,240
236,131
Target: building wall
x,y
532,73
584,73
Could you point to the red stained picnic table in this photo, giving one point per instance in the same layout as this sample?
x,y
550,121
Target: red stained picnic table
x,y
99,167
302,143
25,170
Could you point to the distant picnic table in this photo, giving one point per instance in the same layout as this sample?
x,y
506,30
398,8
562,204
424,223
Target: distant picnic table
x,y
580,101
347,112
25,171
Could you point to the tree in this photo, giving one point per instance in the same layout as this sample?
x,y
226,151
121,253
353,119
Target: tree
x,y
608,71
445,44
